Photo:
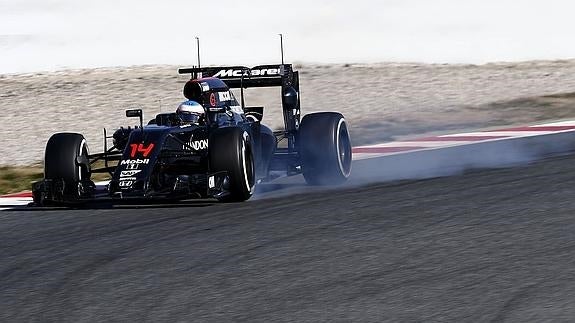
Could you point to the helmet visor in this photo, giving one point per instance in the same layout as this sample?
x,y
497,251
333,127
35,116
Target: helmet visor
x,y
188,117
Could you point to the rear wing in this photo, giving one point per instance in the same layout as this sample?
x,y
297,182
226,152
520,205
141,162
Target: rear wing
x,y
245,77
260,76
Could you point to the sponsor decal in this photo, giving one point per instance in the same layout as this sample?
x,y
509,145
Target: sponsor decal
x,y
129,173
255,72
211,182
126,183
199,144
132,166
205,86
134,161
225,96
266,71
213,100
141,149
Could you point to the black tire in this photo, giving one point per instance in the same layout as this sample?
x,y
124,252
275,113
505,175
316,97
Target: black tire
x,y
230,150
325,148
61,160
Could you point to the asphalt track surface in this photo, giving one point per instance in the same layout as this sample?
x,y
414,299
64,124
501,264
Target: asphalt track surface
x,y
489,245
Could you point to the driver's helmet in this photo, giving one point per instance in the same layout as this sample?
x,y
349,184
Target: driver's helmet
x,y
190,112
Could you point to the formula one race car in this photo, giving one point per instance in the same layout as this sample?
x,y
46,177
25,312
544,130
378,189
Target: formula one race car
x,y
211,147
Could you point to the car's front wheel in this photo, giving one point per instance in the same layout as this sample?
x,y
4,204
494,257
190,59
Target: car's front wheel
x,y
230,150
66,160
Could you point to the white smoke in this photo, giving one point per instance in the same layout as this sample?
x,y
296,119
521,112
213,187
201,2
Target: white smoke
x,y
438,162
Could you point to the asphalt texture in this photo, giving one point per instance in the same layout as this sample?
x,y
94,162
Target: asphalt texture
x,y
490,245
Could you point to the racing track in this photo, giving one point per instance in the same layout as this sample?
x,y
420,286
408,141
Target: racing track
x,y
490,245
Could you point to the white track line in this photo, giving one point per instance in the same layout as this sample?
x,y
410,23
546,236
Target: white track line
x,y
501,133
411,144
555,124
7,203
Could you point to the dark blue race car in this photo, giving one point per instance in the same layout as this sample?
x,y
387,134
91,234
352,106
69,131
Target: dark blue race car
x,y
212,147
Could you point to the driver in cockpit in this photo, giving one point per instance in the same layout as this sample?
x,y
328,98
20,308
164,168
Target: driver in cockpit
x,y
190,112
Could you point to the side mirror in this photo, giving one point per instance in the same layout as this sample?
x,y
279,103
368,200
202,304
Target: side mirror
x,y
290,98
136,113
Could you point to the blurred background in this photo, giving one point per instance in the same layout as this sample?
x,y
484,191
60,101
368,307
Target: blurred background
x,y
46,35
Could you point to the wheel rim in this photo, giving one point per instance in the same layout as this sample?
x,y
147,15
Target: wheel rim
x,y
83,174
343,148
248,166
250,172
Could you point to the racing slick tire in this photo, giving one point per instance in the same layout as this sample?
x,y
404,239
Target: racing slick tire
x,y
230,150
63,161
325,148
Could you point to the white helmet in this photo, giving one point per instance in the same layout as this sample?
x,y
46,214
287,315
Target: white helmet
x,y
190,112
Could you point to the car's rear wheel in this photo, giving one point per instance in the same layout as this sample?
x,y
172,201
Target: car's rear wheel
x,y
325,148
230,150
66,159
